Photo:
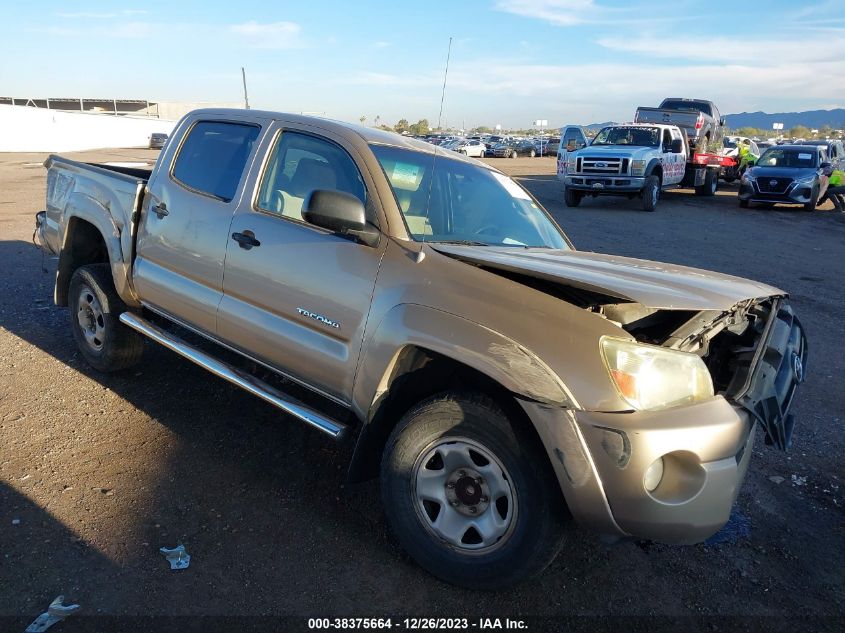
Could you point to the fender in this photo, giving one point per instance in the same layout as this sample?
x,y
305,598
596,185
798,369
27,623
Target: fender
x,y
499,358
84,207
652,164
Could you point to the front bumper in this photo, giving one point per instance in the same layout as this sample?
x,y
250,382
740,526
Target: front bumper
x,y
601,459
599,184
795,193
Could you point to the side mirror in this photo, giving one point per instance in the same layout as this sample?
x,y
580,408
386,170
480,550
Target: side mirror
x,y
827,168
339,212
676,146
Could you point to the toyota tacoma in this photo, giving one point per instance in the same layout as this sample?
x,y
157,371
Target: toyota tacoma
x,y
427,308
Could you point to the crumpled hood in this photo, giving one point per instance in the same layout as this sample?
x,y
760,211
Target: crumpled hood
x,y
652,284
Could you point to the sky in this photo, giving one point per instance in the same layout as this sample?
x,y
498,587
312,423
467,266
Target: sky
x,y
512,61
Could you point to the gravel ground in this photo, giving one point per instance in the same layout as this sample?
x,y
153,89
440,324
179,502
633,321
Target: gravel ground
x,y
97,472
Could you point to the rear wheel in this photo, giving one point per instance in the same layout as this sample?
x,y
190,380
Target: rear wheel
x,y
651,193
571,197
469,494
710,184
95,308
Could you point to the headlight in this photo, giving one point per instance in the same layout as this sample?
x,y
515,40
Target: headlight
x,y
747,178
806,180
649,377
570,164
638,168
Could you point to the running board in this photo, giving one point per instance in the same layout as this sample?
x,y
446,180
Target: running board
x,y
235,376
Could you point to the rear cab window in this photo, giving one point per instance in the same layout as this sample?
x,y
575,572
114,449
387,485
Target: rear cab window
x,y
212,159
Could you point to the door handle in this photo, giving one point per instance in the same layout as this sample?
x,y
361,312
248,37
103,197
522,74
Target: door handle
x,y
246,240
160,210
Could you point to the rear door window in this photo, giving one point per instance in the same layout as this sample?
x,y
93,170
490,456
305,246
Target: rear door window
x,y
212,159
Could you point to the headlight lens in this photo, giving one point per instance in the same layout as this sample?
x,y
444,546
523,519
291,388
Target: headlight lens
x,y
748,178
570,164
649,377
637,168
806,180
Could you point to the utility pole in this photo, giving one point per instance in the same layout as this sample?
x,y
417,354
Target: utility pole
x,y
445,74
246,97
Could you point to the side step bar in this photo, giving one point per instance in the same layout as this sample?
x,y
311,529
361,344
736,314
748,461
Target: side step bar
x,y
235,376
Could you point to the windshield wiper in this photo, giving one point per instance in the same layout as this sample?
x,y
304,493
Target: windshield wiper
x,y
461,242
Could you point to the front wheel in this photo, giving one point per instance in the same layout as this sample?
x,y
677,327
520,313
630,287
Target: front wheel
x,y
95,309
471,495
651,193
571,197
532,153
514,154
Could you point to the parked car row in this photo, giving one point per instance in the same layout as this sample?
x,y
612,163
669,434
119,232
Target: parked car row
x,y
498,146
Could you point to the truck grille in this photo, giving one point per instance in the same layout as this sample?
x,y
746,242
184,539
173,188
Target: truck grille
x,y
600,165
773,185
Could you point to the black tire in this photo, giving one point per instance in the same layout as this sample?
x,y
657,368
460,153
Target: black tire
x,y
650,194
571,197
728,179
743,203
814,200
710,184
532,153
514,154
105,343
538,516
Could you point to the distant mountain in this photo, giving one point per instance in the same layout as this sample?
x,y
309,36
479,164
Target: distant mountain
x,y
763,121
598,126
812,119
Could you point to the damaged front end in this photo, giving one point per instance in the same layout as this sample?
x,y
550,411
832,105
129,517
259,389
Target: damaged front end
x,y
756,352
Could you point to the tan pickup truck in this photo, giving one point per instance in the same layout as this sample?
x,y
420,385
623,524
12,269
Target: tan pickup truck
x,y
499,381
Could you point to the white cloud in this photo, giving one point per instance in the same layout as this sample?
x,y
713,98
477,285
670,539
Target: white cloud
x,y
764,52
276,35
560,12
100,15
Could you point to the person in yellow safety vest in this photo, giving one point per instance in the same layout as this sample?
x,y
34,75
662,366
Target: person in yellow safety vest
x,y
746,158
836,189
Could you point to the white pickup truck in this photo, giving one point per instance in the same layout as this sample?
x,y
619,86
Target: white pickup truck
x,y
629,160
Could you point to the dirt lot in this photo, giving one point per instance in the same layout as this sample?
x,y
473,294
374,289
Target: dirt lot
x,y
97,472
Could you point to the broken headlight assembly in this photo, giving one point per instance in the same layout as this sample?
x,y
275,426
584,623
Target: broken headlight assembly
x,y
649,377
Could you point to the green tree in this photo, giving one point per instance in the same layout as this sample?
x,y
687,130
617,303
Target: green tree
x,y
799,131
825,131
362,119
483,129
402,126
420,127
376,120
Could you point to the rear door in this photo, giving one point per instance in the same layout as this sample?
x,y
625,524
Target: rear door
x,y
183,234
298,299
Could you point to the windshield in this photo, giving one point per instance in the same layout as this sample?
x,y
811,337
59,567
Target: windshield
x,y
641,136
776,157
461,202
729,142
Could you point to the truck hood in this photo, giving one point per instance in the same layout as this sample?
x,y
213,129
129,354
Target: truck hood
x,y
652,284
627,151
782,172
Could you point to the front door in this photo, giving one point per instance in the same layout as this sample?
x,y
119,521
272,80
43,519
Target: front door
x,y
184,232
296,297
